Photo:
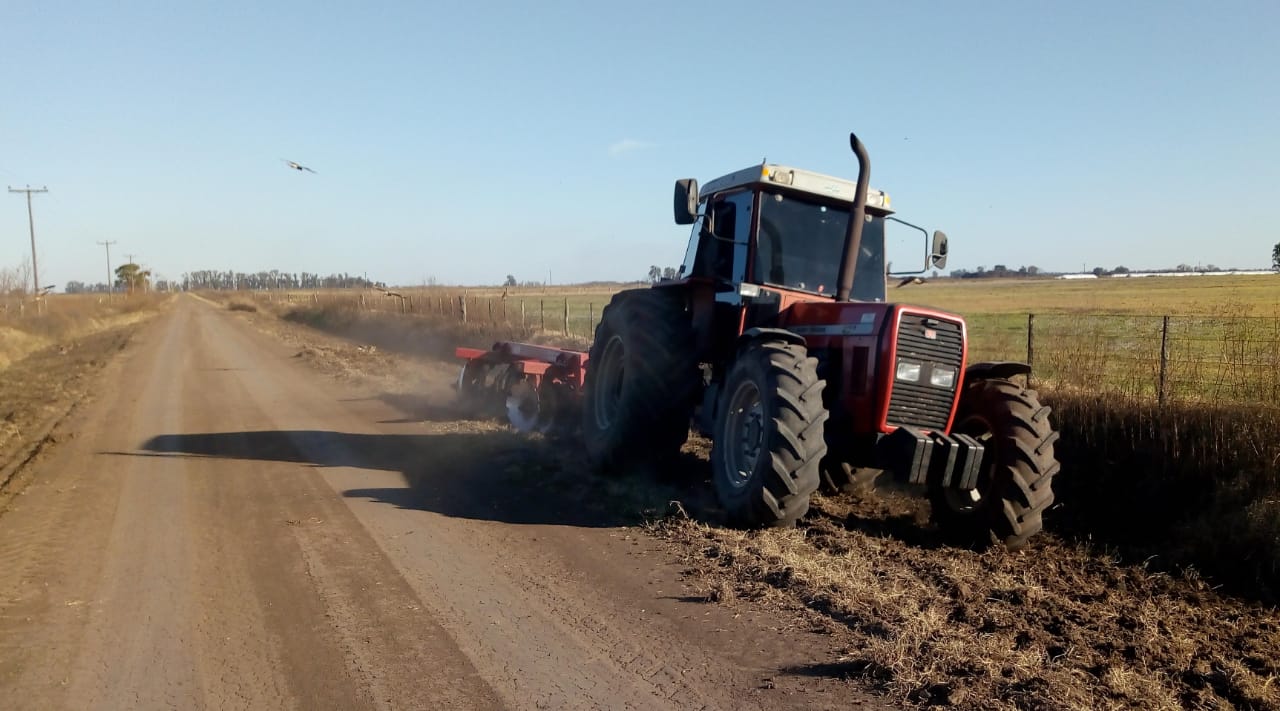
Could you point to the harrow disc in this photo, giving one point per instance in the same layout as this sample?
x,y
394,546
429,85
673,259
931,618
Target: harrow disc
x,y
524,410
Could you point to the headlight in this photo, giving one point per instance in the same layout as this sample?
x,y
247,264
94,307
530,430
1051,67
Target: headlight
x,y
909,372
942,376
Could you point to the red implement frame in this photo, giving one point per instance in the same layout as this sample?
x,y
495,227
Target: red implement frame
x,y
566,367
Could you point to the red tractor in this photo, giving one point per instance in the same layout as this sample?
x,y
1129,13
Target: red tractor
x,y
777,342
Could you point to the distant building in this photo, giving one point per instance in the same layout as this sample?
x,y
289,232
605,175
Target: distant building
x,y
1134,275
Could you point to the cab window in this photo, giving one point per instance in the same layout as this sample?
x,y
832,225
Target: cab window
x,y
722,255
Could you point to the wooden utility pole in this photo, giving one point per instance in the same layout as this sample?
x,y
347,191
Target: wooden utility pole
x,y
31,222
109,282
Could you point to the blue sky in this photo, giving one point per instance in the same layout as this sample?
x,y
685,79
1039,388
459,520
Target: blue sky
x,y
463,141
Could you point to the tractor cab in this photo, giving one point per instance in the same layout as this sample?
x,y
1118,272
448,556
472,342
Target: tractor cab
x,y
770,237
784,228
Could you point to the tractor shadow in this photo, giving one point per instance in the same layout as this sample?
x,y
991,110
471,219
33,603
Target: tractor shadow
x,y
493,476
429,408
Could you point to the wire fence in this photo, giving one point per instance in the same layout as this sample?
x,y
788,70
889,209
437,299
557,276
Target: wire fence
x,y
571,315
1163,358
1174,358
18,307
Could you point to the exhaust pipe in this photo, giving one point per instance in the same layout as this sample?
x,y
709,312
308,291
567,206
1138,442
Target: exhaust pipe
x,y
857,215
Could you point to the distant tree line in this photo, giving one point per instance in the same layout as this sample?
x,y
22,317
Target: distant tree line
x,y
998,271
274,279
227,281
1001,271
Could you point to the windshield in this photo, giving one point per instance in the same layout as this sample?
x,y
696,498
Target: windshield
x,y
801,241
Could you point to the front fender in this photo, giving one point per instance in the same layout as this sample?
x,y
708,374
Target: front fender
x,y
996,370
771,334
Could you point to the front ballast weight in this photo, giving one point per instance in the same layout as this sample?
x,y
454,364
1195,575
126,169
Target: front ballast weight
x,y
932,459
537,387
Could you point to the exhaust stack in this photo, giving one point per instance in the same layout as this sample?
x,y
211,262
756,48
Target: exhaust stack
x,y
857,215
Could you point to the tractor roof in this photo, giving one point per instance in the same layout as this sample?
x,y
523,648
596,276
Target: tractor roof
x,y
800,180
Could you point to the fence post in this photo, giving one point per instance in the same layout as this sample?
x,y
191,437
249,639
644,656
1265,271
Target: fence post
x,y
462,307
542,315
1162,386
566,315
591,321
522,313
1031,345
490,300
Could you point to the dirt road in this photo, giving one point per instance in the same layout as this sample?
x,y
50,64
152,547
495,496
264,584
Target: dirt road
x,y
222,527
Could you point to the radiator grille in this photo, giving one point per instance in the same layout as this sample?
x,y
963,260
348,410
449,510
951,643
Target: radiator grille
x,y
921,404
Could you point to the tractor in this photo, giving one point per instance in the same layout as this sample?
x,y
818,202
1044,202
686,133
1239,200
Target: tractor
x,y
776,340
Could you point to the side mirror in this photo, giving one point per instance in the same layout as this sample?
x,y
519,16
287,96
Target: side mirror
x,y
938,252
686,201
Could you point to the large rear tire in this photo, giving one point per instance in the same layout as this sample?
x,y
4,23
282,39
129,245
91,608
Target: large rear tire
x,y
641,380
1015,486
768,437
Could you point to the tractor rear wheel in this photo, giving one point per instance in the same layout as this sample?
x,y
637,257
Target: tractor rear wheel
x,y
768,437
1015,485
641,380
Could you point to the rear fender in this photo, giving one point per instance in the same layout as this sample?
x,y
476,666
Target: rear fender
x,y
711,395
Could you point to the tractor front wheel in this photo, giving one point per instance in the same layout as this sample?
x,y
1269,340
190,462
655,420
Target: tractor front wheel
x,y
768,440
1015,484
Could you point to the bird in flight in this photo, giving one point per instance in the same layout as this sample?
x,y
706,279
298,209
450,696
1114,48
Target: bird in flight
x,y
297,166
910,280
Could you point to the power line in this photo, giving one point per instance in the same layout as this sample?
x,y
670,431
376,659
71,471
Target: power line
x,y
31,222
108,246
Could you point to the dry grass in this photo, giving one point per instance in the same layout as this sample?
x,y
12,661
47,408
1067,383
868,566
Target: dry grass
x,y
567,312
1191,484
1058,628
62,317
413,333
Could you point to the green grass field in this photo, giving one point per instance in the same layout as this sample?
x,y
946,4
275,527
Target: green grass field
x,y
1221,341
1147,296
